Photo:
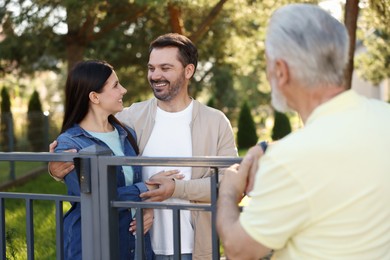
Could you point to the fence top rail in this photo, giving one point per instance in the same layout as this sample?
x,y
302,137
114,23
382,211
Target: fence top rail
x,y
161,205
196,161
37,157
36,196
108,160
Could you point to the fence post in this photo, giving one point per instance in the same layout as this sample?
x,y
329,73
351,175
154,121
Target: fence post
x,y
90,196
46,130
109,217
11,144
2,230
214,197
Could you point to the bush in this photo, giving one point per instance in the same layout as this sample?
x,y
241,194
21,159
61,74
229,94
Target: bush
x,y
6,121
281,127
211,102
246,135
36,123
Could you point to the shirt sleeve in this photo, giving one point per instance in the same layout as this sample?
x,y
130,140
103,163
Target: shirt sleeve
x,y
278,206
64,143
132,192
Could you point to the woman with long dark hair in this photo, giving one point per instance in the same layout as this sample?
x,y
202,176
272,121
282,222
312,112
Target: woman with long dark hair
x,y
93,95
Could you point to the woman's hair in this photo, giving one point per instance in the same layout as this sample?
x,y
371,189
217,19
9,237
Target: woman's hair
x,y
85,76
315,45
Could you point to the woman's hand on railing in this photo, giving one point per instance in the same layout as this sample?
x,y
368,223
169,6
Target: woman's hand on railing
x,y
148,221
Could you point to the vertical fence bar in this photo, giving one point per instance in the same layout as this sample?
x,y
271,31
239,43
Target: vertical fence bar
x,y
176,234
11,144
46,130
29,229
2,230
214,197
140,240
59,231
108,215
88,215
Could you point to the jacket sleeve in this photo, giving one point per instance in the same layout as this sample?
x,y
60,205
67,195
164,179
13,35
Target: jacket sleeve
x,y
64,142
132,192
199,189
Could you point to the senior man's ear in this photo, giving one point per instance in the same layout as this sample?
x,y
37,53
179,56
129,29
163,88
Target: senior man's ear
x,y
282,72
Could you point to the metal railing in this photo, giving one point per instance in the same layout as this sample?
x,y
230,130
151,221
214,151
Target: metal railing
x,y
98,198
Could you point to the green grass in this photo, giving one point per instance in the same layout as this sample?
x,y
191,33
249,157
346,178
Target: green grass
x,y
242,152
21,168
44,219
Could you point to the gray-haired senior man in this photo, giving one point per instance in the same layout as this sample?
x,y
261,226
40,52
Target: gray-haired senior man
x,y
328,199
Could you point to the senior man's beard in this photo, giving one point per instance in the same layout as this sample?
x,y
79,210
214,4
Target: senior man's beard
x,y
278,101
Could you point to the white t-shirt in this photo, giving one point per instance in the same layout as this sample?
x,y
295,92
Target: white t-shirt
x,y
171,137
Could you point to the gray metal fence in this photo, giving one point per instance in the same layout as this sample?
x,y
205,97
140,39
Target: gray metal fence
x,y
98,194
15,130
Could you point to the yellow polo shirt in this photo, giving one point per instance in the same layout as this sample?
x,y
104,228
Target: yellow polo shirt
x,y
323,192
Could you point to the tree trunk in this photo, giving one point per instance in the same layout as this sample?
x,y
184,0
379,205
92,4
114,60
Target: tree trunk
x,y
350,18
175,19
74,53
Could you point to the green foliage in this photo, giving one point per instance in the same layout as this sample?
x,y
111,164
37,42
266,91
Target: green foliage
x,y
10,242
223,92
246,135
5,120
35,117
5,101
211,102
35,39
374,64
48,35
281,126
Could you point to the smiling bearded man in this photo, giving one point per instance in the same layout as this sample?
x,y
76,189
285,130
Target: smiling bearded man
x,y
175,125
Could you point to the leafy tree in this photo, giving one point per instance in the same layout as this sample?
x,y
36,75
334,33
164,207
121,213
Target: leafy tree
x,y
35,118
211,102
117,31
230,43
246,135
374,65
6,120
42,35
281,126
223,91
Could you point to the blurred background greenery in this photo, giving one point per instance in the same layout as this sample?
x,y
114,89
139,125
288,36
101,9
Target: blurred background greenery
x,y
41,39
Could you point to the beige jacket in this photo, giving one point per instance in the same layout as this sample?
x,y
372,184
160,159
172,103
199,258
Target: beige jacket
x,y
212,135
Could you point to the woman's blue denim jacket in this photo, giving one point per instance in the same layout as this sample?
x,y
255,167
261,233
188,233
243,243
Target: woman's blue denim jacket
x,y
77,138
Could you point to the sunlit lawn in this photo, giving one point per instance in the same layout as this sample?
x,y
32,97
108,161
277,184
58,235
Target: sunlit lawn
x,y
44,220
21,168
